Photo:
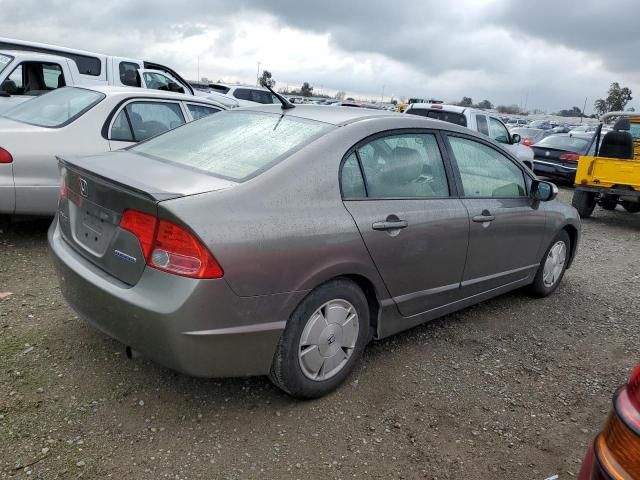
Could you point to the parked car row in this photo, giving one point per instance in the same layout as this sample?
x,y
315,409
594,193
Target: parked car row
x,y
73,121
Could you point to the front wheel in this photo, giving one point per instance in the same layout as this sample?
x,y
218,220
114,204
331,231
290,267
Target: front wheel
x,y
584,202
631,207
553,266
323,341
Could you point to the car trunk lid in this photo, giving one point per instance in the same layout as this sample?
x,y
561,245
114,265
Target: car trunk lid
x,y
97,190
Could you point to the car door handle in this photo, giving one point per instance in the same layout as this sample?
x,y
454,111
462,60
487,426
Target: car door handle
x,y
390,225
483,218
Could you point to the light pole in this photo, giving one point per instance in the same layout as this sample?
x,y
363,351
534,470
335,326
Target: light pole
x,y
382,96
198,68
258,75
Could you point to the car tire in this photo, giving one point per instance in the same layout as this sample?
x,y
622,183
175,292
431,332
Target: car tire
x,y
631,207
609,202
584,202
306,346
552,266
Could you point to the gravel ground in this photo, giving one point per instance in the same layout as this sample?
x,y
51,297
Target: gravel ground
x,y
512,388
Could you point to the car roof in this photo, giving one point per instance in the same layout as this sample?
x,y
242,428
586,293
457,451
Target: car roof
x,y
124,92
27,54
322,113
341,116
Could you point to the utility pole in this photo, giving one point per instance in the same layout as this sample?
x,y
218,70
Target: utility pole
x,y
382,96
583,109
258,75
198,68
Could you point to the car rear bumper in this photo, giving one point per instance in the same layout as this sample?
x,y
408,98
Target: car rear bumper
x,y
550,169
198,327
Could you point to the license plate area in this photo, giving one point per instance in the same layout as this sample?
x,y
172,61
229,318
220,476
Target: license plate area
x,y
94,227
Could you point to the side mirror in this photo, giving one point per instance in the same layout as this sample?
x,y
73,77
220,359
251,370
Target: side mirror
x,y
515,138
543,191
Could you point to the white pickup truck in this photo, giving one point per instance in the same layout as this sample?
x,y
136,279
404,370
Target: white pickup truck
x,y
29,69
478,120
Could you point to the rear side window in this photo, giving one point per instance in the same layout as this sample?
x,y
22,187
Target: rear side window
x,y
351,179
52,76
485,172
483,128
403,166
251,95
201,111
234,145
450,117
149,119
57,108
129,74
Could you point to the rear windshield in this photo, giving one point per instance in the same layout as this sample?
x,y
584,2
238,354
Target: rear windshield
x,y
234,145
575,144
55,109
4,61
443,115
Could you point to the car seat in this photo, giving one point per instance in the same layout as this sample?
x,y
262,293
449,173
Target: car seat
x,y
618,143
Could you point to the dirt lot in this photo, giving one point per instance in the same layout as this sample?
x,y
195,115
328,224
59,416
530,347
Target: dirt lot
x,y
513,388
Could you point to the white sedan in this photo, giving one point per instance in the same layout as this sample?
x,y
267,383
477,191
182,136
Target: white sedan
x,y
79,121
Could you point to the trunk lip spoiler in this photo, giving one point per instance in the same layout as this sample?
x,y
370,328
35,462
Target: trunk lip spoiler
x,y
138,188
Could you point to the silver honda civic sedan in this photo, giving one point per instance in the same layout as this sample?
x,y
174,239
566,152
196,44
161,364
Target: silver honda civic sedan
x,y
272,241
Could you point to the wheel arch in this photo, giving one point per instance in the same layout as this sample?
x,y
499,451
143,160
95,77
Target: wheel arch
x,y
572,231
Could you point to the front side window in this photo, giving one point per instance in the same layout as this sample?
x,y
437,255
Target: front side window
x,y
149,119
635,130
201,111
498,131
404,166
158,81
57,108
4,61
485,172
236,145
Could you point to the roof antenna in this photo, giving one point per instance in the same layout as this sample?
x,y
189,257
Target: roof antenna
x,y
286,104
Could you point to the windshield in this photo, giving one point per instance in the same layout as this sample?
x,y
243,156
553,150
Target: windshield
x,y
635,131
234,145
4,61
574,144
55,109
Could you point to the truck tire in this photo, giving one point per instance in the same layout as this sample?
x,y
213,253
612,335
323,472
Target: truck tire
x,y
609,202
584,202
631,207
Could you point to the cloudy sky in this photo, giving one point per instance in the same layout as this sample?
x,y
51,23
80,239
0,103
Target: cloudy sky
x,y
550,54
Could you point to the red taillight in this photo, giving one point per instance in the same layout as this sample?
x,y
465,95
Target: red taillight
x,y
143,226
526,142
170,247
437,107
5,157
570,157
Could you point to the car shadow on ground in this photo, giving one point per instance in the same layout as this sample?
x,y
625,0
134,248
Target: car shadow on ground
x,y
616,218
27,227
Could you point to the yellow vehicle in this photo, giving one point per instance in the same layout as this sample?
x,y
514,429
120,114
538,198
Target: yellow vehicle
x,y
612,175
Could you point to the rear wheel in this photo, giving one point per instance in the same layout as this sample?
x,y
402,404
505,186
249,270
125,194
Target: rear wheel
x,y
584,202
609,202
553,266
323,341
631,207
